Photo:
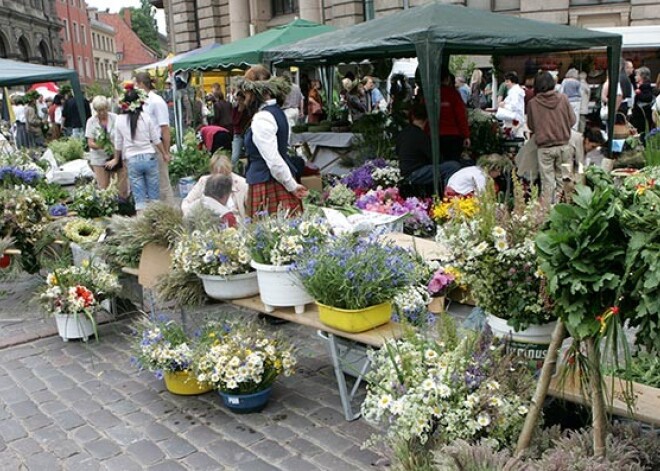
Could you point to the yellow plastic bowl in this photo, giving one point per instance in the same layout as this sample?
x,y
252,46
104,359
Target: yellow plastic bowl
x,y
184,383
355,320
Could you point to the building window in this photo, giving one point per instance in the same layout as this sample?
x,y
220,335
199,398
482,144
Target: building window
x,y
83,34
69,62
88,72
67,36
76,32
581,3
284,7
81,71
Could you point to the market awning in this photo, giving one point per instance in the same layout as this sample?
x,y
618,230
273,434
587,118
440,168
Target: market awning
x,y
250,51
434,31
22,73
173,59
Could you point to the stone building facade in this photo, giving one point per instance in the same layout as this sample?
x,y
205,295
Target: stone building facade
x,y
195,23
103,47
76,38
30,31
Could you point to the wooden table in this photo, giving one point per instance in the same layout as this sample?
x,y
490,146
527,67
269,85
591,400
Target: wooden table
x,y
427,248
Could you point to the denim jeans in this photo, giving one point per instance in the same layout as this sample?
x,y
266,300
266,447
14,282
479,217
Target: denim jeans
x,y
424,175
236,149
144,179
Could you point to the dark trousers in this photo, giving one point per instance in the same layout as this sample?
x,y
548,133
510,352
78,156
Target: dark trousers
x,y
451,147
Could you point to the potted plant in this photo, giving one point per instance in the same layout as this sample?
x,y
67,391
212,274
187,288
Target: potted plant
x,y
243,365
91,202
275,242
72,295
440,283
164,348
495,253
83,234
220,257
354,279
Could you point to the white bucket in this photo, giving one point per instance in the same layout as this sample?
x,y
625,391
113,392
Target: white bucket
x,y
237,286
531,343
185,185
74,327
279,286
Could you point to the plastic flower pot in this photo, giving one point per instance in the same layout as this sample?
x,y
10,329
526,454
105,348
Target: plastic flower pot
x,y
79,254
531,343
70,326
246,403
184,383
279,286
237,286
355,320
437,305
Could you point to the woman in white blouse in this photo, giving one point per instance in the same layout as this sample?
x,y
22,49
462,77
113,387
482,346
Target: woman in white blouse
x,y
99,126
136,141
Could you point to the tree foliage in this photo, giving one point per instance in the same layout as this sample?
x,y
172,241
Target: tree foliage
x,y
143,23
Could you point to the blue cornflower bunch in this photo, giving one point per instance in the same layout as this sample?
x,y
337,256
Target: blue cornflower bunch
x,y
362,177
161,346
13,175
351,272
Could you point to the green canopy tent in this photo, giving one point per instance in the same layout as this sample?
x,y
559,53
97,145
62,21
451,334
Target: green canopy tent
x,y
433,32
250,50
14,73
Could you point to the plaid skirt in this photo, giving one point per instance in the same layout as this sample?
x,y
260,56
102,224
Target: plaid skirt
x,y
271,197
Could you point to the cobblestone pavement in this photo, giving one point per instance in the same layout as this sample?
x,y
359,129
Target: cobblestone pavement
x,y
83,407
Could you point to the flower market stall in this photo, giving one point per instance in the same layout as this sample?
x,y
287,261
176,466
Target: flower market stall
x,y
433,32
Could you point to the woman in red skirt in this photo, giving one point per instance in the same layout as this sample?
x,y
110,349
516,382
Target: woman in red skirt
x,y
271,175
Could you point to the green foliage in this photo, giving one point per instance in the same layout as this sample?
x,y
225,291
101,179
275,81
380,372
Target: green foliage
x,y
98,88
644,368
90,202
190,161
67,149
374,138
52,193
143,23
459,65
582,253
485,134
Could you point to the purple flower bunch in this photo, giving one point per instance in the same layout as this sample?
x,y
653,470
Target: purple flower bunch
x,y
58,210
360,179
418,222
11,175
440,281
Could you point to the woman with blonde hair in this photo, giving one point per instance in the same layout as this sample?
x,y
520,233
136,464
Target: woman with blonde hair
x,y
477,97
100,134
220,165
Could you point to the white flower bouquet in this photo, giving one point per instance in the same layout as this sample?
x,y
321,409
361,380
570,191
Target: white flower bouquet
x,y
244,361
213,252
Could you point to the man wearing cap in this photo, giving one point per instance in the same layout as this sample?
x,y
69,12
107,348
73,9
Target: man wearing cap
x,y
159,114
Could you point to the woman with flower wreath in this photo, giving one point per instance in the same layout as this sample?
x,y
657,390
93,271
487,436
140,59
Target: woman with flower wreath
x,y
271,174
136,139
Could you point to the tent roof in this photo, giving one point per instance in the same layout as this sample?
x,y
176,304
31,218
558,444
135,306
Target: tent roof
x,y
249,51
459,30
23,73
173,59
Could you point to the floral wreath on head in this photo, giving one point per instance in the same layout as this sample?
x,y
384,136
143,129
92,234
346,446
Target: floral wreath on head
x,y
128,107
276,87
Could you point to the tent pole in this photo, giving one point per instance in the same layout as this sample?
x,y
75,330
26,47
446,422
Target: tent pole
x,y
613,66
177,112
430,58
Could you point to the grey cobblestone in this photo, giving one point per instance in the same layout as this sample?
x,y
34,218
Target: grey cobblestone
x,y
82,407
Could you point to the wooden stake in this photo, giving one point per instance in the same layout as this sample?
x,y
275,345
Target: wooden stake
x,y
599,419
548,369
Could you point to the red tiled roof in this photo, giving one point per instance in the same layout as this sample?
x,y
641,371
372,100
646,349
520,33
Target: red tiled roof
x,y
134,51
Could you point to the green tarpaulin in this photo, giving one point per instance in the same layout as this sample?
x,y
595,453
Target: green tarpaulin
x,y
14,73
433,32
250,51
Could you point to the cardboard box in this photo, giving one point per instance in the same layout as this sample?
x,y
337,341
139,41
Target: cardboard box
x,y
313,182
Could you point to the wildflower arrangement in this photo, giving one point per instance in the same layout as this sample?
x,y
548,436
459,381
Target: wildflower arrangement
x,y
361,179
127,107
91,202
161,346
79,289
13,175
420,388
340,195
351,272
410,306
453,208
104,141
83,232
22,213
245,361
441,281
387,176
213,251
495,252
67,149
278,240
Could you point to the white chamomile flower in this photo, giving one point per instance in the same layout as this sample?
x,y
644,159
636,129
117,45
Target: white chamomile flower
x,y
483,419
444,391
428,384
498,232
523,410
430,355
495,401
493,385
385,401
501,245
